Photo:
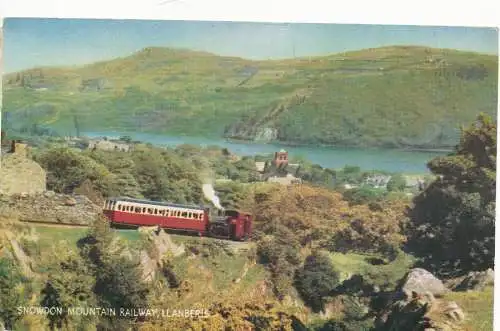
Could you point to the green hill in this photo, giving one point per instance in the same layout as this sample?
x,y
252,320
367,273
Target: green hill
x,y
391,96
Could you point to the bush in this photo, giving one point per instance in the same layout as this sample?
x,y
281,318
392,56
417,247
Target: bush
x,y
364,196
396,183
281,257
316,280
67,169
11,296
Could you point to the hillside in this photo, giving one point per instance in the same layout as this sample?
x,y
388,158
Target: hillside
x,y
390,97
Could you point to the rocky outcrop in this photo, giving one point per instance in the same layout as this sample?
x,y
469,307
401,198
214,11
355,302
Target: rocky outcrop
x,y
417,305
22,259
50,207
160,245
422,312
476,281
422,281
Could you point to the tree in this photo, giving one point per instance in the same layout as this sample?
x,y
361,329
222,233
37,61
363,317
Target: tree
x,y
11,294
363,195
452,225
316,280
68,169
163,175
69,285
280,254
396,183
118,277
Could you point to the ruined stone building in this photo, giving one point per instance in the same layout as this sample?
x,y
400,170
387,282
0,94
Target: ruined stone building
x,y
19,174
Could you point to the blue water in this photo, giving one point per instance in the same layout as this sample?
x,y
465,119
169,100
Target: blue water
x,y
329,157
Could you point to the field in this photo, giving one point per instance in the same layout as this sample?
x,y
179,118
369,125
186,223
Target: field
x,y
478,307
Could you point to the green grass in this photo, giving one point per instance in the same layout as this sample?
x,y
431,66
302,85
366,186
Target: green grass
x,y
386,275
349,99
47,236
478,307
350,264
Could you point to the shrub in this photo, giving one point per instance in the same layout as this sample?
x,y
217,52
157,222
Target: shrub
x,y
316,280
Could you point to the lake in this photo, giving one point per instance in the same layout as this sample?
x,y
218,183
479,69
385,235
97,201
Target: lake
x,y
329,157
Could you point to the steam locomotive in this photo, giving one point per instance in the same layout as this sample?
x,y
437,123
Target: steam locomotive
x,y
224,224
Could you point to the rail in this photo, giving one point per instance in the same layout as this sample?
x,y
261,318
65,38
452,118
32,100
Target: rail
x,y
56,224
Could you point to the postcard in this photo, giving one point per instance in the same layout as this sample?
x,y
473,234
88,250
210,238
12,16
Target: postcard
x,y
210,175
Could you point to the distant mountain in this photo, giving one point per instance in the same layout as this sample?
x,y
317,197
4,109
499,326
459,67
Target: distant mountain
x,y
401,96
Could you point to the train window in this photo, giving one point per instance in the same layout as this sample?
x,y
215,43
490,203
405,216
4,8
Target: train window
x,y
189,215
119,207
156,211
137,209
184,214
201,216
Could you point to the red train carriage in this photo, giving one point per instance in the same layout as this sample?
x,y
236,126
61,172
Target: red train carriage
x,y
229,224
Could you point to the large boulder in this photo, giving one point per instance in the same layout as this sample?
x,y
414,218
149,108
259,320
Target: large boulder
x,y
422,281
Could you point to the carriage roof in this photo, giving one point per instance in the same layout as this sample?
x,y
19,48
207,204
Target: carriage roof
x,y
157,203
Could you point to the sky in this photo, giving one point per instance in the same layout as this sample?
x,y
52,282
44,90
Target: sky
x,y
30,42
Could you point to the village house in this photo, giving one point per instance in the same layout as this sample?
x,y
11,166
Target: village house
x,y
278,170
108,145
378,181
288,179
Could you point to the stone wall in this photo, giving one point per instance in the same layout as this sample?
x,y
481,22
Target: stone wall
x,y
50,207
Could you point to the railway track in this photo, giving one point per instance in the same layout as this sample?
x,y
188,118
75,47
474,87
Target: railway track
x,y
55,225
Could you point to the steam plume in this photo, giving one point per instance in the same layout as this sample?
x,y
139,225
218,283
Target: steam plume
x,y
210,194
